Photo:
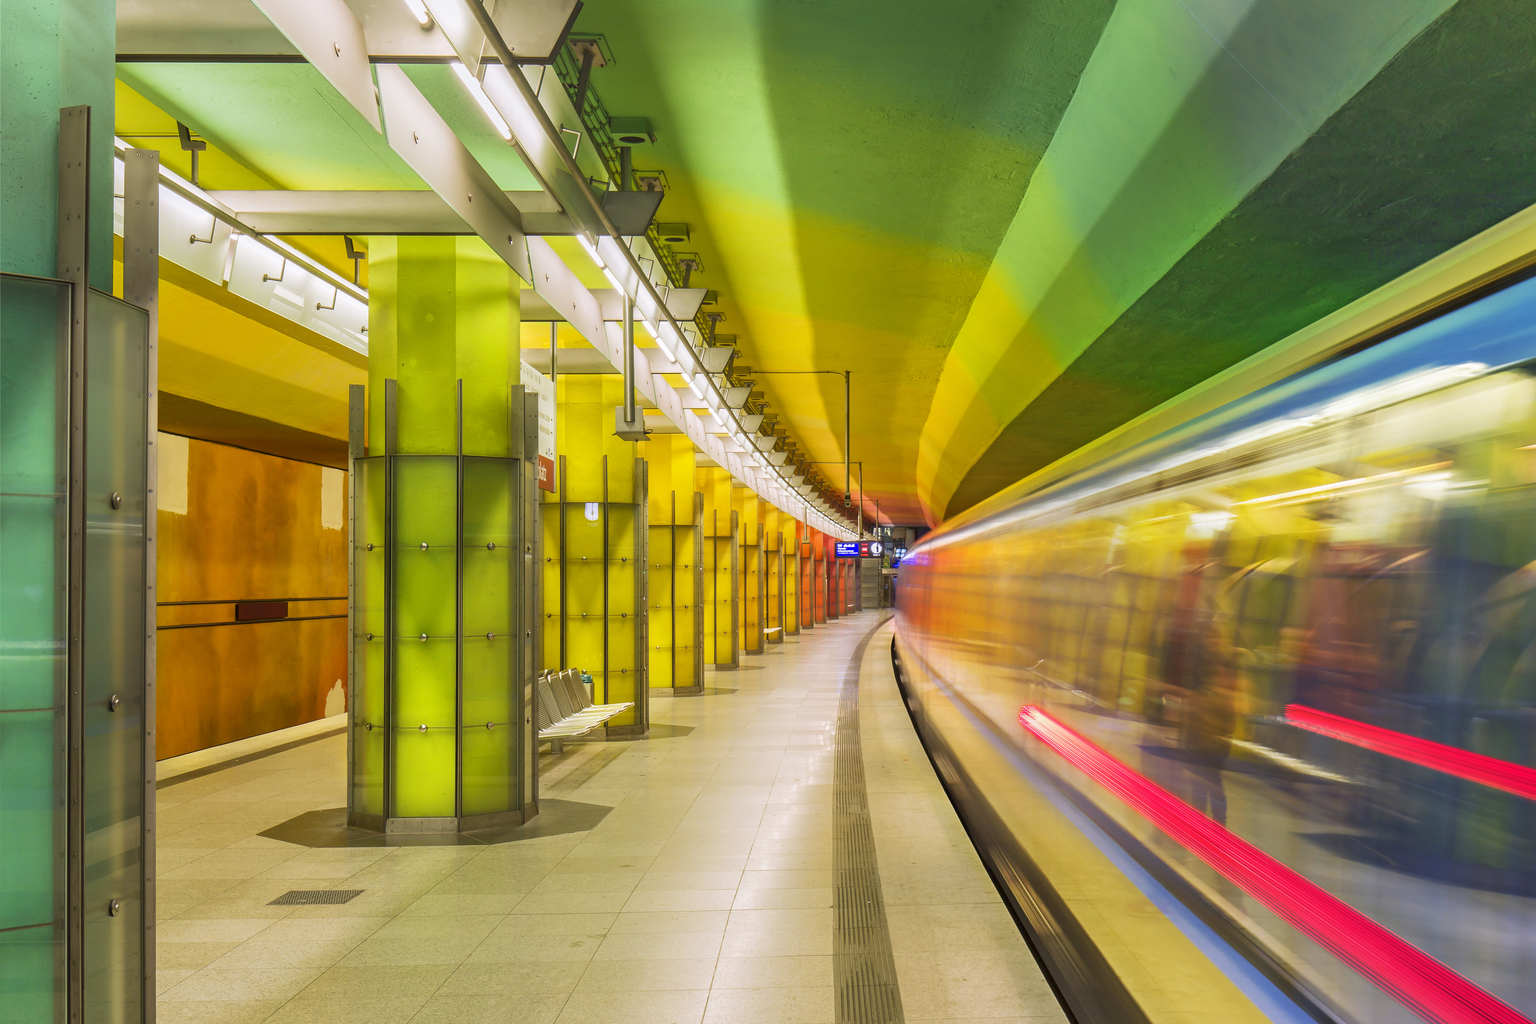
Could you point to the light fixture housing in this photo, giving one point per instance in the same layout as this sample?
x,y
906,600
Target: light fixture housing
x,y
478,92
419,9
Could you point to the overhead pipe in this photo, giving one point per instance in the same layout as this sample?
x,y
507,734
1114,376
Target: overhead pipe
x,y
552,133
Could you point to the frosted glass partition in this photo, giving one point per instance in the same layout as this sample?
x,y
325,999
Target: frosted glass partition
x,y
72,769
113,702
33,628
438,703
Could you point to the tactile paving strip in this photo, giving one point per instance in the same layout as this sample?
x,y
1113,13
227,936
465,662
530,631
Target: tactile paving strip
x,y
863,964
314,897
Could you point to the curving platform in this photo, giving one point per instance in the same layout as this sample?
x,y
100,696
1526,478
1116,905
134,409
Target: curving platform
x,y
777,850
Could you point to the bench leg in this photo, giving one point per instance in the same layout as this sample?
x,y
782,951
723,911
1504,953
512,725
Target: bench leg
x,y
557,746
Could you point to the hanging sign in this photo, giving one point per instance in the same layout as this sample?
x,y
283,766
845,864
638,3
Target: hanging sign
x,y
542,386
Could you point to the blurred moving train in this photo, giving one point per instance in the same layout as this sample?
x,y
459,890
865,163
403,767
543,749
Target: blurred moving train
x,y
1244,717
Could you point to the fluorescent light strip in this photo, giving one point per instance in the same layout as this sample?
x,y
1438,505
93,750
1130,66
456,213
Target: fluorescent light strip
x,y
478,92
420,10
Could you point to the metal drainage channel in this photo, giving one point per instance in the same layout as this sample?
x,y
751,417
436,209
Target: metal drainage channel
x,y
863,964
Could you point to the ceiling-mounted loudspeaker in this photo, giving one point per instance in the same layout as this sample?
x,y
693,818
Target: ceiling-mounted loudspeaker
x,y
631,131
673,234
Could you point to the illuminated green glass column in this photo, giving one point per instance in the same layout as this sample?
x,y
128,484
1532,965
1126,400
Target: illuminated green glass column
x,y
443,521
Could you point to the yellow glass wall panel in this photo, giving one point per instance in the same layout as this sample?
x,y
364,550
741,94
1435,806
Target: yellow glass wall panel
x,y
720,554
440,578
597,553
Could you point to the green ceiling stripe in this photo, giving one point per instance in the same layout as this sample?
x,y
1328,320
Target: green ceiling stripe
x,y
1440,145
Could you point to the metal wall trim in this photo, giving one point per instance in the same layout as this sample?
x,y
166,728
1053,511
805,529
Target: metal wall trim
x,y
356,433
458,600
73,262
141,286
387,677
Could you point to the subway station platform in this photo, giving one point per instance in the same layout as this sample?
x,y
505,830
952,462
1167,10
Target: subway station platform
x,y
777,848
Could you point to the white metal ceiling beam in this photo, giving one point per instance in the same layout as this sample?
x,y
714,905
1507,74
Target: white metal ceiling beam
x,y
234,31
381,212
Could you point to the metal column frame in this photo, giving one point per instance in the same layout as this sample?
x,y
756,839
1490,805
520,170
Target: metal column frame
x,y
357,412
527,648
735,588
141,286
607,539
561,531
642,494
391,446
73,264
458,602
698,591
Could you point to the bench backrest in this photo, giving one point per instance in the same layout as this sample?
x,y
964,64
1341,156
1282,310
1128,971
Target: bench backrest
x,y
562,697
575,691
548,709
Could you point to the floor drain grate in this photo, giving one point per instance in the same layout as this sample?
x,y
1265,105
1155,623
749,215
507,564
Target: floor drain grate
x,y
312,897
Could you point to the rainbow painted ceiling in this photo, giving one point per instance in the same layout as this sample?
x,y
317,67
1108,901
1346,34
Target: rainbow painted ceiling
x,y
1019,224
1023,224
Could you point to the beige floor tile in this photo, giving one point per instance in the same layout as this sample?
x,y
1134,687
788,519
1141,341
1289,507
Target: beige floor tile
x,y
783,899
771,1006
647,975
673,880
660,946
917,929
680,899
354,1009
513,948
244,984
670,921
571,903
170,956
773,972
766,933
513,978
210,930
529,1008
401,950
937,985
667,1007
605,881
230,1011
681,858
433,929
169,977
314,928
792,879
404,982
288,953
555,924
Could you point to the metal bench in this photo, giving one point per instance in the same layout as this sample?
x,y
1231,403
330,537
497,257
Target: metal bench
x,y
565,709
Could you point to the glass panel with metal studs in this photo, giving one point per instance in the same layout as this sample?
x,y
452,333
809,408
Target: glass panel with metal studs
x,y
442,581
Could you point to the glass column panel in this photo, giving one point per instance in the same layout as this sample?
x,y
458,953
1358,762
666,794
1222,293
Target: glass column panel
x,y
115,461
491,562
370,642
424,670
584,581
623,580
33,625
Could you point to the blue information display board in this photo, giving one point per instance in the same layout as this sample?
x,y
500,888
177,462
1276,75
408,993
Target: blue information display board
x,y
847,549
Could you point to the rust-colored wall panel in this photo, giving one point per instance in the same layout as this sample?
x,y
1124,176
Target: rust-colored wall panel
x,y
237,525
223,683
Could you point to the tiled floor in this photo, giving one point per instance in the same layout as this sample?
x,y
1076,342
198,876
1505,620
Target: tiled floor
x,y
706,894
